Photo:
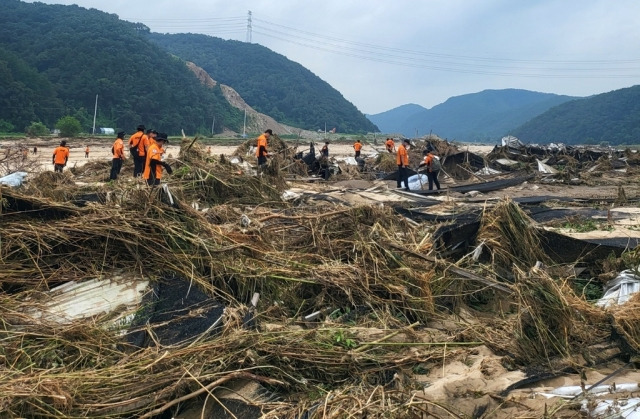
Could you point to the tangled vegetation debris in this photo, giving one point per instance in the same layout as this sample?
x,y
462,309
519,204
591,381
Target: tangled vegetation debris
x,y
356,305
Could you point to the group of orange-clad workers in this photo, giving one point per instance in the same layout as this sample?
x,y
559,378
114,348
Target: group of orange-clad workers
x,y
146,150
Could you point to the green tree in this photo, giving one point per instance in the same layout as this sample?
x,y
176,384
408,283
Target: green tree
x,y
68,126
37,129
6,126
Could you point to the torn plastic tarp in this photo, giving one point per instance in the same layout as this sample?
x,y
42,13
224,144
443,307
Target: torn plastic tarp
x,y
14,179
417,181
623,408
488,171
619,290
545,168
569,392
511,141
506,162
77,300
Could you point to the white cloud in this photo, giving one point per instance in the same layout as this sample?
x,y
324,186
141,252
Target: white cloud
x,y
382,54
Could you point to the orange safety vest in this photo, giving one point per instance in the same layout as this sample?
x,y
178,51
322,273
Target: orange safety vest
x,y
262,141
390,144
402,157
86,150
60,155
118,149
357,146
154,152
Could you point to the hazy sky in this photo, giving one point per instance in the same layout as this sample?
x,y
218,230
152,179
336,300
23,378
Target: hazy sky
x,y
385,53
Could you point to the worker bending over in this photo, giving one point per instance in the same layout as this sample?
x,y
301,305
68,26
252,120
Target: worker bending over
x,y
390,145
154,164
432,162
60,157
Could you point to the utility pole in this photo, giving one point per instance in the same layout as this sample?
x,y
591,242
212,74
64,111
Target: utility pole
x,y
95,112
213,125
244,126
249,29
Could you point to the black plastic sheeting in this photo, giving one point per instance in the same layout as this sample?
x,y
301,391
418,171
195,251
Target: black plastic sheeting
x,y
166,309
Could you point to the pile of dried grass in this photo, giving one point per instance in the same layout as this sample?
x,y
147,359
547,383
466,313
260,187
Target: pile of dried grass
x,y
385,162
362,263
510,237
215,180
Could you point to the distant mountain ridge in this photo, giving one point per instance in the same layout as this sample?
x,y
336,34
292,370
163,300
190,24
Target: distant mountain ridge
x,y
612,117
482,116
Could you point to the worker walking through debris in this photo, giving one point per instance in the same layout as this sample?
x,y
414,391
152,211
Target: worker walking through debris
x,y
357,147
432,162
261,148
60,157
86,152
154,164
402,160
390,145
118,156
136,142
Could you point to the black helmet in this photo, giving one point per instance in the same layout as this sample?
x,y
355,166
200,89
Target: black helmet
x,y
121,134
140,128
162,137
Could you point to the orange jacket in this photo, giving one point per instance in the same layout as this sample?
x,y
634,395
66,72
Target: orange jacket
x,y
141,140
357,146
262,141
60,155
118,149
402,157
86,150
154,152
390,144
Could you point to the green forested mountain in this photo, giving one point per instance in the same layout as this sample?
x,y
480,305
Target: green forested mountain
x,y
612,117
56,59
269,82
482,116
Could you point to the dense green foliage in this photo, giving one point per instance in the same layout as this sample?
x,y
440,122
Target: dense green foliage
x,y
54,60
68,126
269,82
612,117
483,116
37,129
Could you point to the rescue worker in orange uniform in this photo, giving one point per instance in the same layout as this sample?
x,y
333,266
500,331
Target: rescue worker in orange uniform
x,y
154,164
357,147
261,147
433,168
391,145
60,157
402,160
118,156
136,142
86,152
